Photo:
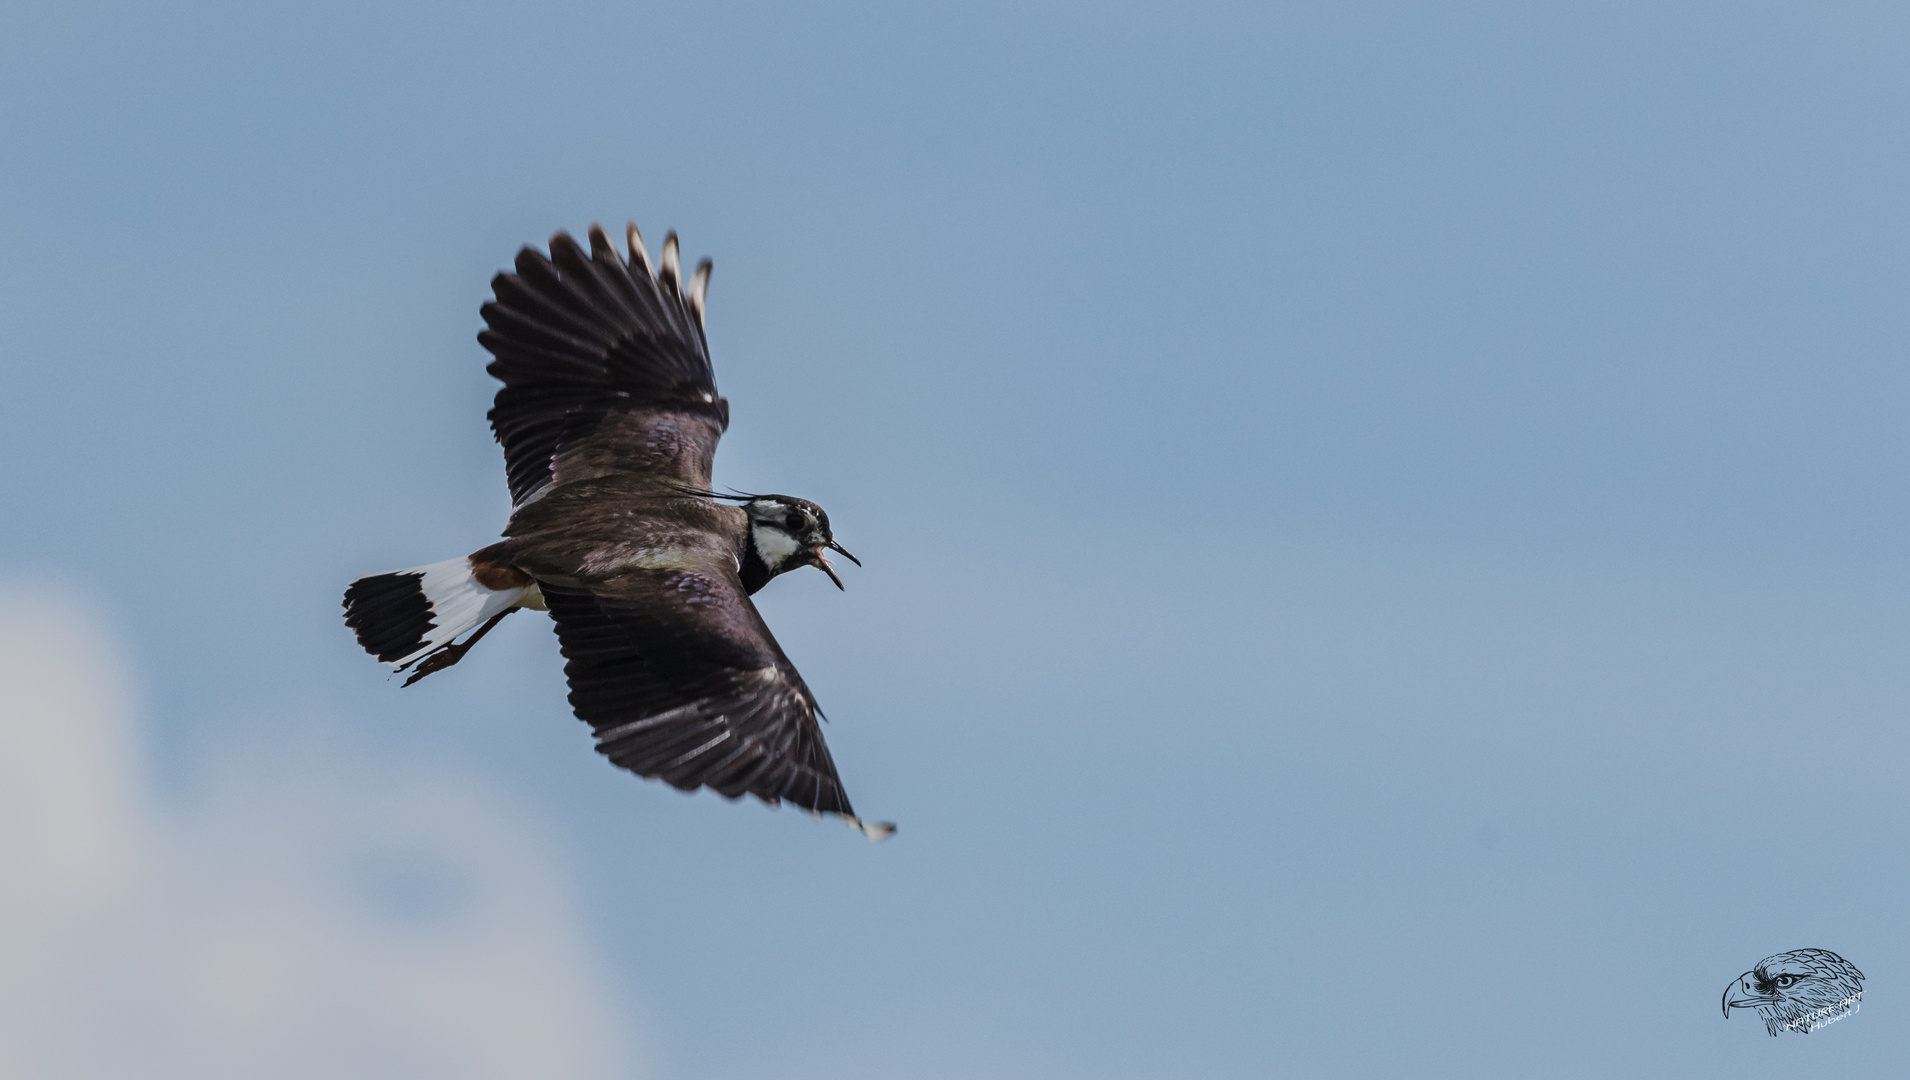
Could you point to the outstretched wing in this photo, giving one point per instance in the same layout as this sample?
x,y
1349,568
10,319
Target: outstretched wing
x,y
682,681
605,367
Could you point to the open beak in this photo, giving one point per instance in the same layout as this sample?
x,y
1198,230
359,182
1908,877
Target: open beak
x,y
822,563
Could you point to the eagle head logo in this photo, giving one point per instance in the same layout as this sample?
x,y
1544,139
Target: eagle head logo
x,y
1799,991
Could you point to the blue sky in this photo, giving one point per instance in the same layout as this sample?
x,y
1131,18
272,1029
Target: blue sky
x,y
1382,522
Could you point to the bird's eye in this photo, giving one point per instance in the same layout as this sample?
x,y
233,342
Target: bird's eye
x,y
793,522
1786,980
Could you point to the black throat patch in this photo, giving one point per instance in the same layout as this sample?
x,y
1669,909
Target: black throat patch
x,y
754,571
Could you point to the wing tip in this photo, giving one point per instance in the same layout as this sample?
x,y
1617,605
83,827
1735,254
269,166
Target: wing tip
x,y
668,270
876,831
639,253
600,245
700,288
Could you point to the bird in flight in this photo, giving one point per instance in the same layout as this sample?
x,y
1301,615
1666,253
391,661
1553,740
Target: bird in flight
x,y
609,418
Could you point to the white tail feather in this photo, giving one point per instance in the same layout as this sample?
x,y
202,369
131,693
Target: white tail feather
x,y
459,603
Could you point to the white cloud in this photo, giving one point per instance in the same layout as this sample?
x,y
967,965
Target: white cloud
x,y
310,915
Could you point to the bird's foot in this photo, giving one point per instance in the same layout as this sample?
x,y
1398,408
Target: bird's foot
x,y
438,661
449,654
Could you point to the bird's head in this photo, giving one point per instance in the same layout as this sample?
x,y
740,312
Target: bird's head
x,y
1793,989
786,532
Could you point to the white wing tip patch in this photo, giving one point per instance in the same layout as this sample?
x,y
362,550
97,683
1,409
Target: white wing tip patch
x,y
699,288
639,254
876,831
670,259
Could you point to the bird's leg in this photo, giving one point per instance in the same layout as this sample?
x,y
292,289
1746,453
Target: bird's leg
x,y
451,654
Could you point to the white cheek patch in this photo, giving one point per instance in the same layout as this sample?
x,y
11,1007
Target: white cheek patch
x,y
774,545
